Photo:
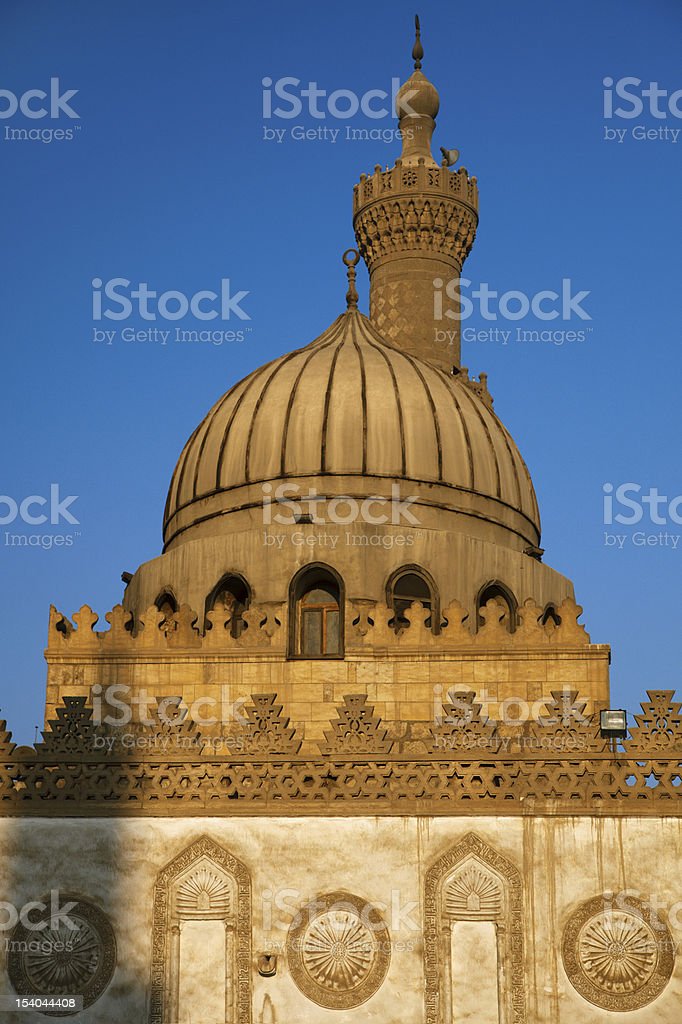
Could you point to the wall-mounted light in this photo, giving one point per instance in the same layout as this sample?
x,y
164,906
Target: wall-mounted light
x,y
614,723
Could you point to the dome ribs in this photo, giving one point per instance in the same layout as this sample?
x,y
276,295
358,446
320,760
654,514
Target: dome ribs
x,y
281,363
512,459
436,421
327,403
210,420
363,392
228,425
382,347
350,404
317,347
465,430
475,407
173,496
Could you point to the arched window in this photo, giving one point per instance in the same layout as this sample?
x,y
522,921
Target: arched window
x,y
168,607
316,614
231,595
497,592
550,614
407,585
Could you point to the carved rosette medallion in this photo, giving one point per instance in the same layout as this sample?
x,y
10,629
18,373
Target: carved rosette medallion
x,y
74,954
619,958
338,950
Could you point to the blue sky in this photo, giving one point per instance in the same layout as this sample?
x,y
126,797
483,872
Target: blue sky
x,y
168,179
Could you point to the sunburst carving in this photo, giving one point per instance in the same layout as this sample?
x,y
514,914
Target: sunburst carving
x,y
70,970
617,951
618,959
75,955
204,891
338,951
473,891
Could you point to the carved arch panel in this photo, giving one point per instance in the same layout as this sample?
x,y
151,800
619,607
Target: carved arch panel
x,y
204,886
472,882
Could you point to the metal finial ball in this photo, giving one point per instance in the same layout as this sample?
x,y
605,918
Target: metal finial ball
x,y
351,262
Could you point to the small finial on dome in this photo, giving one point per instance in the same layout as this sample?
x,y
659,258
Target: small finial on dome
x,y
351,258
417,49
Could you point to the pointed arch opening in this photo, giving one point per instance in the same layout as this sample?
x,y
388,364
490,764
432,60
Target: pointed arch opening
x,y
407,585
502,596
167,604
551,615
231,595
316,613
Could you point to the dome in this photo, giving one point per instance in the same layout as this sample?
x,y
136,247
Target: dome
x,y
356,413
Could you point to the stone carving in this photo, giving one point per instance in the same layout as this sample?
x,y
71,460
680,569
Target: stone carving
x,y
367,626
392,211
84,964
460,865
6,744
338,950
357,730
659,727
205,893
564,727
219,887
366,768
471,892
73,730
618,958
462,727
267,731
156,631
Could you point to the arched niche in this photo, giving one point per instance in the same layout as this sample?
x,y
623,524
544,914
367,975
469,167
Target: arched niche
x,y
473,937
201,938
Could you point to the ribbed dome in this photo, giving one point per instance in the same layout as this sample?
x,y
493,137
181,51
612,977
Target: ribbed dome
x,y
351,405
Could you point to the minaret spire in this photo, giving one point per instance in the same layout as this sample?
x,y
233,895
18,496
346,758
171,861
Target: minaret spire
x,y
417,49
414,226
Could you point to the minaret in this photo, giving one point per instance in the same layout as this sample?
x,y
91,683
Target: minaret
x,y
415,224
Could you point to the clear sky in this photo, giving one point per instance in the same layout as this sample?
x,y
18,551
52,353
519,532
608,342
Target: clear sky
x,y
169,180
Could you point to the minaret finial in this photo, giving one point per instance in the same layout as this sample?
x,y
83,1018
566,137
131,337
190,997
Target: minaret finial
x,y
351,258
417,49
